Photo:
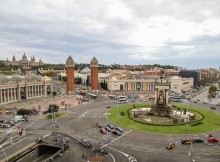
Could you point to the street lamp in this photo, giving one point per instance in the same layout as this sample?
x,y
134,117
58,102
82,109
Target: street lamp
x,y
57,125
117,113
4,153
8,132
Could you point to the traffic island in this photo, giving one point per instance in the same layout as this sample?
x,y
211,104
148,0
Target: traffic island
x,y
206,121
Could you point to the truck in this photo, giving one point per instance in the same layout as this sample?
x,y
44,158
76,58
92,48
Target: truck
x,y
19,118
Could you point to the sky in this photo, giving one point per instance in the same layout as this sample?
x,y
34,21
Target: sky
x,y
127,32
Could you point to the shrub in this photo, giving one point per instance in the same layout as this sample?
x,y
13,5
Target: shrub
x,y
23,112
196,123
122,113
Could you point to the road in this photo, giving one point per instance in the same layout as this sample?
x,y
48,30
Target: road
x,y
131,146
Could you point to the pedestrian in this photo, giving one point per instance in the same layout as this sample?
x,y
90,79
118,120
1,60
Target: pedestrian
x,y
83,156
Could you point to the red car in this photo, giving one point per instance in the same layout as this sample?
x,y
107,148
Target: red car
x,y
103,131
212,139
109,106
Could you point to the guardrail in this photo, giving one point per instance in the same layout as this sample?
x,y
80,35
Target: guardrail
x,y
53,156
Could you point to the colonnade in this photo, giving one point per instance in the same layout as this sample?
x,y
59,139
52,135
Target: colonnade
x,y
19,92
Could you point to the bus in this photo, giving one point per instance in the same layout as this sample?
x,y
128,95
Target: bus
x,y
122,98
90,95
122,101
176,99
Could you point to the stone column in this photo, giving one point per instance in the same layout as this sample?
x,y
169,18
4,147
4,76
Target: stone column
x,y
31,91
15,94
11,95
45,89
26,91
35,91
8,98
18,93
38,88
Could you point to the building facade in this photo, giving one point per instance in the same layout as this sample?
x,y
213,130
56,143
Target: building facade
x,y
179,84
191,73
24,62
17,88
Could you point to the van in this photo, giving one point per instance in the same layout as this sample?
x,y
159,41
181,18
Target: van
x,y
19,118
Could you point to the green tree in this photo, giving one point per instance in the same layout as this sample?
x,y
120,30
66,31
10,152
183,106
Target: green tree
x,y
54,94
212,90
53,108
78,80
23,112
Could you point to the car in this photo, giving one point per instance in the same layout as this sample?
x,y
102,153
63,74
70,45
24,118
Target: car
x,y
110,126
218,104
170,146
213,108
108,129
204,102
116,133
99,125
109,106
195,101
103,131
198,99
198,140
212,139
119,129
186,141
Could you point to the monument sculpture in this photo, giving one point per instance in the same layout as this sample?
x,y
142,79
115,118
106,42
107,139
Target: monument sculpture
x,y
161,106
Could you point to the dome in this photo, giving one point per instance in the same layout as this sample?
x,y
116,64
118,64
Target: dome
x,y
24,57
86,70
70,62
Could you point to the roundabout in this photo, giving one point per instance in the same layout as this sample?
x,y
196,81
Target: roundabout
x,y
205,121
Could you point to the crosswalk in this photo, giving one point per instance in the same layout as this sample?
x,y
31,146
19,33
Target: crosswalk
x,y
88,114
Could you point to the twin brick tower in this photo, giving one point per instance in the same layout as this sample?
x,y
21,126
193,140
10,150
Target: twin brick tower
x,y
70,65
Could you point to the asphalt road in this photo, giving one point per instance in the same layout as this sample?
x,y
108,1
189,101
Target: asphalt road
x,y
130,147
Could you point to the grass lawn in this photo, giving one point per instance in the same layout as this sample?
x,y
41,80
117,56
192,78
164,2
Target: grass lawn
x,y
210,122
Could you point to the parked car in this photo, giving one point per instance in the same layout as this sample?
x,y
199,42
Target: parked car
x,y
198,140
186,141
99,125
213,108
212,139
110,126
108,129
109,106
116,132
103,131
170,146
119,129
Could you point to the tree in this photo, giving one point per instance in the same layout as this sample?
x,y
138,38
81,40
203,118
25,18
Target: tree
x,y
78,80
23,112
53,108
212,90
54,94
87,81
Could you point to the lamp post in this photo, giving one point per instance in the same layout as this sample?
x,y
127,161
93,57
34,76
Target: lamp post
x,y
117,113
4,153
57,125
8,132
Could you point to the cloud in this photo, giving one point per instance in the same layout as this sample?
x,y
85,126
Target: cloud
x,y
114,31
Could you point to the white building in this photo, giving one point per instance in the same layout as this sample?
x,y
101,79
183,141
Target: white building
x,y
179,84
16,88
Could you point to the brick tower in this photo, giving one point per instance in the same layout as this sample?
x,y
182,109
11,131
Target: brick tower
x,y
94,74
70,65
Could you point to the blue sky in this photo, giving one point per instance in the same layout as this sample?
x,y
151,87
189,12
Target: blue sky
x,y
174,32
